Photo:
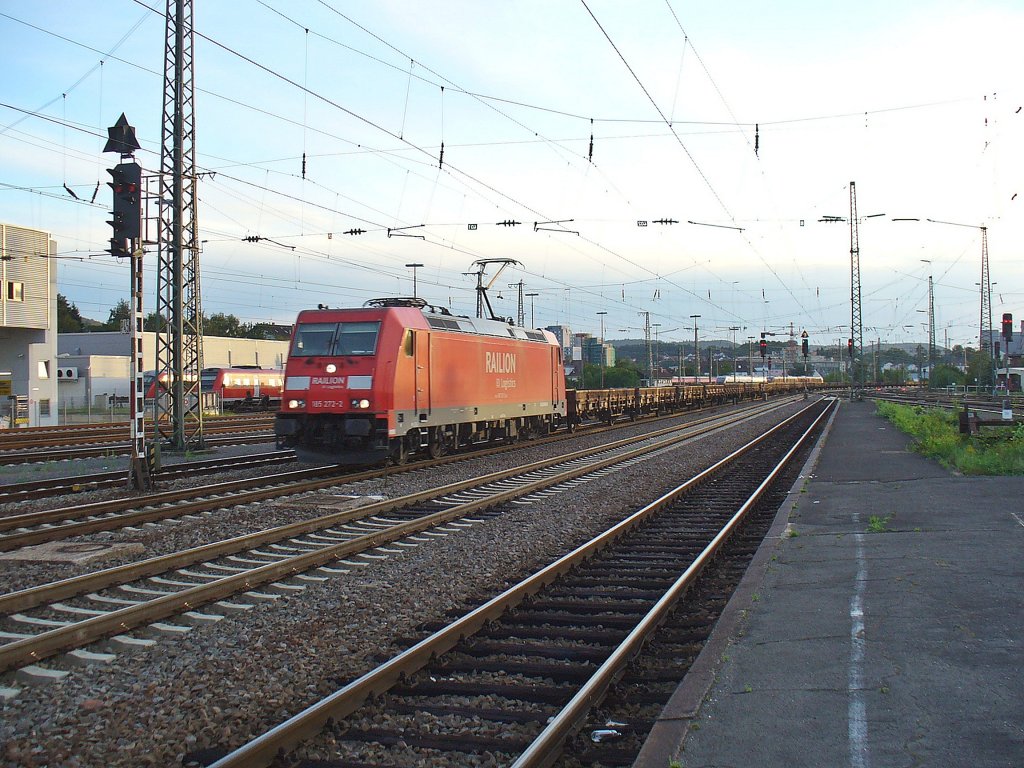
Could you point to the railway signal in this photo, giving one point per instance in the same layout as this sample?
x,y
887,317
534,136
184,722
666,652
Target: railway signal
x,y
1008,328
127,212
849,347
764,347
126,183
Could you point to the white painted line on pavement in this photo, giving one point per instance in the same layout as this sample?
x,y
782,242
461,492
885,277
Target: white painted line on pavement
x,y
858,721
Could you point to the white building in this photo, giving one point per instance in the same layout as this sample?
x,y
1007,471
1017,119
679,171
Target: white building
x,y
28,327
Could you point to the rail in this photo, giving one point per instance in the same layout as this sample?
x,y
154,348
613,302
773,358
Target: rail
x,y
284,737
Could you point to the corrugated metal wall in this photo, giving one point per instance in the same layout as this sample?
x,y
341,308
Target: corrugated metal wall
x,y
25,270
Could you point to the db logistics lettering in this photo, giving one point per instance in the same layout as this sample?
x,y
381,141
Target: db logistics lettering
x,y
328,379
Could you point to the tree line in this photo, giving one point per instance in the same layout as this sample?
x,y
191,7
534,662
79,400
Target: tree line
x,y
70,320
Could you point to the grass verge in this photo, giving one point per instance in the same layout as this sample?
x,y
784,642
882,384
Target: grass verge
x,y
998,451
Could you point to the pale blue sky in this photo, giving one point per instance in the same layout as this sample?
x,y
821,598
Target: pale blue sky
x,y
915,101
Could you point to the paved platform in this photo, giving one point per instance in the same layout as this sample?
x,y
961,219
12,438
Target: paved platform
x,y
850,646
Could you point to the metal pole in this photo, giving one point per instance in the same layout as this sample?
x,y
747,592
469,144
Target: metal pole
x,y
533,322
414,268
138,470
657,350
734,328
696,349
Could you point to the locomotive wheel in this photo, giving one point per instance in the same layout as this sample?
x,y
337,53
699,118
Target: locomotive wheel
x,y
436,447
399,452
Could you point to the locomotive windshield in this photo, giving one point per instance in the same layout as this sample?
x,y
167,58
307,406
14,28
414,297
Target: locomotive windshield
x,y
332,339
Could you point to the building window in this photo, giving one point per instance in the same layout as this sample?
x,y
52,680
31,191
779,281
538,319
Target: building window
x,y
15,291
44,407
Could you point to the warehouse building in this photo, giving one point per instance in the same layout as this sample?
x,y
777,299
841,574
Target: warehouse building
x,y
28,327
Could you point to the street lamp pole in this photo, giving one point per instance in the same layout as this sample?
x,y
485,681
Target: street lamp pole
x,y
533,322
696,349
733,328
601,314
414,268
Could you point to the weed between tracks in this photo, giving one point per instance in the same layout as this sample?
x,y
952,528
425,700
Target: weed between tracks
x,y
1000,451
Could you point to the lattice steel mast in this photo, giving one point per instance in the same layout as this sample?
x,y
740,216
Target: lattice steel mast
x,y
931,327
985,324
650,351
179,349
856,326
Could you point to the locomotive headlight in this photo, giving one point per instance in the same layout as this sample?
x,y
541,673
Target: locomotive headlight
x,y
294,404
331,368
360,403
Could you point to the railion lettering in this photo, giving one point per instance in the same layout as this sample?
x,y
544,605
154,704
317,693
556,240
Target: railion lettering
x,y
500,362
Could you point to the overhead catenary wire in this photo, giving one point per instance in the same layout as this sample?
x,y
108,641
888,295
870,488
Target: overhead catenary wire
x,y
448,145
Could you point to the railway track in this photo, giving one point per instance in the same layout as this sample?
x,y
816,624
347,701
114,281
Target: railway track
x,y
235,574
593,639
60,486
30,528
32,456
73,434
992,406
89,440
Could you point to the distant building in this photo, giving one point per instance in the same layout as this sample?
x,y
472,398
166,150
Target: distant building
x,y
28,327
594,352
564,335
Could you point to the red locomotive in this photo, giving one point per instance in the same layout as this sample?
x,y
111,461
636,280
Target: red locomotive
x,y
398,376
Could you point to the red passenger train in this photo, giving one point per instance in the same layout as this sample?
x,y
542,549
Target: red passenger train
x,y
398,376
244,387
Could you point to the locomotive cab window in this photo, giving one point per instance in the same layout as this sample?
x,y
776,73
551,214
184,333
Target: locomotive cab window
x,y
313,339
356,338
409,343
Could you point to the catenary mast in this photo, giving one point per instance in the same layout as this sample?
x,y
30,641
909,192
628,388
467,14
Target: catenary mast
x,y
856,325
179,349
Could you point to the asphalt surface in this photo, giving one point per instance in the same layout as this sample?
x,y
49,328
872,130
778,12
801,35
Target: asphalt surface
x,y
882,623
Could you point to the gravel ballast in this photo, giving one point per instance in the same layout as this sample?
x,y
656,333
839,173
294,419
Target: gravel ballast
x,y
223,683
